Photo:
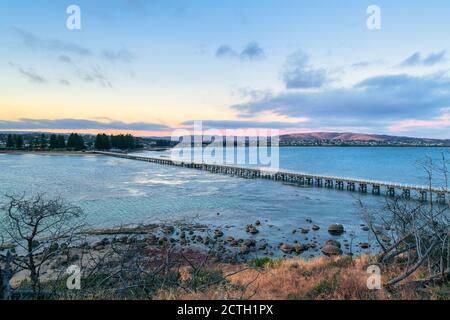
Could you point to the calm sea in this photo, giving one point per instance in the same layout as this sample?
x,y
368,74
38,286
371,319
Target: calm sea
x,y
117,191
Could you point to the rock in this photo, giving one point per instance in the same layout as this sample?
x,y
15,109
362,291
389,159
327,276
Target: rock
x,y
234,243
333,243
330,250
249,243
365,228
54,247
162,240
294,231
169,230
385,239
183,235
262,246
218,233
206,241
251,229
364,245
286,248
257,222
229,239
244,249
151,239
304,231
315,227
336,229
299,248
309,220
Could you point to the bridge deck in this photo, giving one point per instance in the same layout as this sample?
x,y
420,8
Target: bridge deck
x,y
292,176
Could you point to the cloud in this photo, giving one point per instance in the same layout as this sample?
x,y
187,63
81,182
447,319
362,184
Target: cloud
x,y
225,51
240,124
78,124
251,52
298,74
376,100
117,56
29,74
432,59
31,41
65,59
64,82
94,74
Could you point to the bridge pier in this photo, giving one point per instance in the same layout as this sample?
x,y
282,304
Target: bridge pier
x,y
391,191
329,183
351,186
363,188
441,198
423,196
376,189
406,193
340,185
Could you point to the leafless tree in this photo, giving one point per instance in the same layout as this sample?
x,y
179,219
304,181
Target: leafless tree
x,y
40,228
414,234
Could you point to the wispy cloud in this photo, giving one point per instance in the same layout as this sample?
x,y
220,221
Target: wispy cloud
x,y
29,74
416,59
94,74
34,42
118,56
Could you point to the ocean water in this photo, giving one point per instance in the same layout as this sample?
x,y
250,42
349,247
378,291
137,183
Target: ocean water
x,y
117,192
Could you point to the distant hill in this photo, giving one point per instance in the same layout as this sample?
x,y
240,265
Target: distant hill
x,y
343,138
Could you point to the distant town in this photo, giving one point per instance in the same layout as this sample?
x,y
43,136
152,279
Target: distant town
x,y
25,141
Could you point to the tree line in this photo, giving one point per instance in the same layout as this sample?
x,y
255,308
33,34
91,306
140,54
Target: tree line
x,y
73,141
44,142
122,142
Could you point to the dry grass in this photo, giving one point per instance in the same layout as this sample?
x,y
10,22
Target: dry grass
x,y
320,278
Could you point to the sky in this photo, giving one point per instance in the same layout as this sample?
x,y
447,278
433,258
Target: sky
x,y
149,67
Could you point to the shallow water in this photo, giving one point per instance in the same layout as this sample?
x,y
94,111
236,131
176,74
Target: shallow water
x,y
117,191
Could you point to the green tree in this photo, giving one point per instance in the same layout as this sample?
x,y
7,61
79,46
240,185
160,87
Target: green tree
x,y
19,142
10,141
102,142
43,141
61,142
53,141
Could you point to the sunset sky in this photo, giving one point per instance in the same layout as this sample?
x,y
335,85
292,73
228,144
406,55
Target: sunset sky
x,y
149,67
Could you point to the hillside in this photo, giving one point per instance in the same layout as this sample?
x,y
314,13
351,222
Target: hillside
x,y
349,138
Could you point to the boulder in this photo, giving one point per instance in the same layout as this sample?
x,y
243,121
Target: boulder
x,y
244,249
286,248
251,229
315,227
333,243
336,229
299,248
330,250
364,245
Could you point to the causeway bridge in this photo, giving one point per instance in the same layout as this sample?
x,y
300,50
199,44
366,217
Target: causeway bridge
x,y
423,193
